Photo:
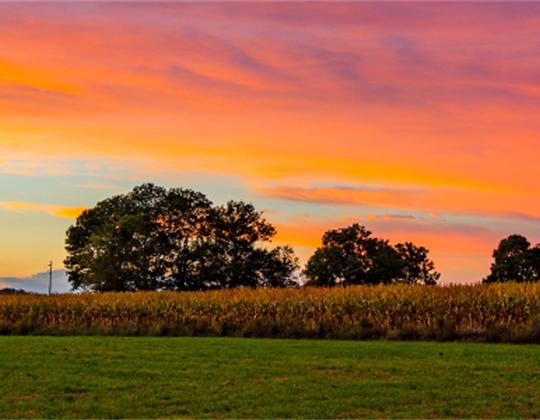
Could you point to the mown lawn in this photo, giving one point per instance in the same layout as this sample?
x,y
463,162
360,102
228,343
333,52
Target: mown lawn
x,y
144,377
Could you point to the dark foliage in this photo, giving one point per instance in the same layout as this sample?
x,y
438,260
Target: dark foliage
x,y
515,260
157,239
351,256
528,333
10,291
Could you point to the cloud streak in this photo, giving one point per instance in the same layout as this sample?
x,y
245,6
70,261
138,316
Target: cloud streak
x,y
53,210
429,199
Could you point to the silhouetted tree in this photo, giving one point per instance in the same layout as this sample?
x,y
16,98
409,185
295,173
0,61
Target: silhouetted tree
x,y
417,267
515,260
351,256
233,257
157,239
12,291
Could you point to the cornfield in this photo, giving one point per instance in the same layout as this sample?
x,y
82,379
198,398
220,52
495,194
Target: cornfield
x,y
500,312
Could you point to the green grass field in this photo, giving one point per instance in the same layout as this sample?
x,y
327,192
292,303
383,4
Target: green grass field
x,y
123,377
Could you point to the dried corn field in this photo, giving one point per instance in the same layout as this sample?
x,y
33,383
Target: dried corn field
x,y
486,312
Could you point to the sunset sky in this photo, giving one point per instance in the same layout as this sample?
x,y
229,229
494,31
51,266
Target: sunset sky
x,y
419,120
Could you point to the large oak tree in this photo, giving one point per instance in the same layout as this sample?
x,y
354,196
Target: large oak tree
x,y
154,238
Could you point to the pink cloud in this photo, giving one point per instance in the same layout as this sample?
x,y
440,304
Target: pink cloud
x,y
356,219
460,201
404,108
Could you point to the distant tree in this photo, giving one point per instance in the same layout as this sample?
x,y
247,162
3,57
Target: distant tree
x,y
351,256
157,239
11,291
515,260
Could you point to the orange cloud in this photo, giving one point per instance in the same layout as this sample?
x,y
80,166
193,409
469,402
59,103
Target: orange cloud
x,y
402,108
357,219
61,211
277,107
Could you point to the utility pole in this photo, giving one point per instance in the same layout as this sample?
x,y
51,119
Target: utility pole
x,y
50,277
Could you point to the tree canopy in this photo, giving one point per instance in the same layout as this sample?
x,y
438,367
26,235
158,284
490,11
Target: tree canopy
x,y
154,238
351,256
515,260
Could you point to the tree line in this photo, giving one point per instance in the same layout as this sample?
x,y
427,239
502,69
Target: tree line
x,y
153,238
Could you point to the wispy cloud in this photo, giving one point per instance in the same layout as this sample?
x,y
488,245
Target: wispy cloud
x,y
33,167
343,195
61,211
98,186
430,199
376,216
